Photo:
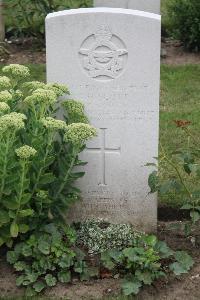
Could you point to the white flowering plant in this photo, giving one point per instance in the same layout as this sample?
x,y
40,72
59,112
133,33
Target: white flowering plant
x,y
37,152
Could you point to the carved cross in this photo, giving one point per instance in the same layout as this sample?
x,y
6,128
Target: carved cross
x,y
103,150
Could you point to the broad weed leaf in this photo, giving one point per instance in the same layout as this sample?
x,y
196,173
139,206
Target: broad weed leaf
x,y
131,287
12,257
44,247
39,286
50,280
64,276
195,216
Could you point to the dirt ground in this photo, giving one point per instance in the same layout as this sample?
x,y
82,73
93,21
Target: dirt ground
x,y
186,287
25,52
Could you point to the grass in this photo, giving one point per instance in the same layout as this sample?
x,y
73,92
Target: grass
x,y
180,99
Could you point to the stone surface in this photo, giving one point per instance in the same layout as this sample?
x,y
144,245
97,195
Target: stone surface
x,y
110,59
152,6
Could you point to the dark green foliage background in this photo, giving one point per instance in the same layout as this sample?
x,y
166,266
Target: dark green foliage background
x,y
183,22
26,18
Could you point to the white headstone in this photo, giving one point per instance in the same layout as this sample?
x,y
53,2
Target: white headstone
x,y
110,59
152,6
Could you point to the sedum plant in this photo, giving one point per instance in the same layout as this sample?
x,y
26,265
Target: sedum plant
x,y
37,152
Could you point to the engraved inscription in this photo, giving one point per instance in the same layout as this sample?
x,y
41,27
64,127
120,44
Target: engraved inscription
x,y
103,54
103,150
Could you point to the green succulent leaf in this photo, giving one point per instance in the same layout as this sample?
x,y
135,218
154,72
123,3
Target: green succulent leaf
x,y
14,230
4,217
26,213
153,181
23,228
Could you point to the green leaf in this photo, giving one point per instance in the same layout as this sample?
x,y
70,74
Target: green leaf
x,y
26,212
65,261
107,260
39,286
14,229
12,214
153,181
163,249
64,277
11,204
27,250
184,258
20,280
131,287
150,165
30,292
47,178
77,175
131,254
79,266
187,206
177,268
195,216
1,241
12,257
23,228
165,187
183,264
4,217
116,255
145,276
20,266
150,240
26,198
44,247
50,280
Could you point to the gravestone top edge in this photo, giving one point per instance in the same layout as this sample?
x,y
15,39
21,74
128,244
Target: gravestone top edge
x,y
104,10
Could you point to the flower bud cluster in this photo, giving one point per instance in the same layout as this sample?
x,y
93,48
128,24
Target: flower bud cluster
x,y
25,152
4,83
33,85
4,107
59,89
14,121
75,111
53,124
42,194
79,133
5,96
17,71
41,96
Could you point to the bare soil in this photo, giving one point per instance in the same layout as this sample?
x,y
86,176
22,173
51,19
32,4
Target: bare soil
x,y
186,287
28,52
175,54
